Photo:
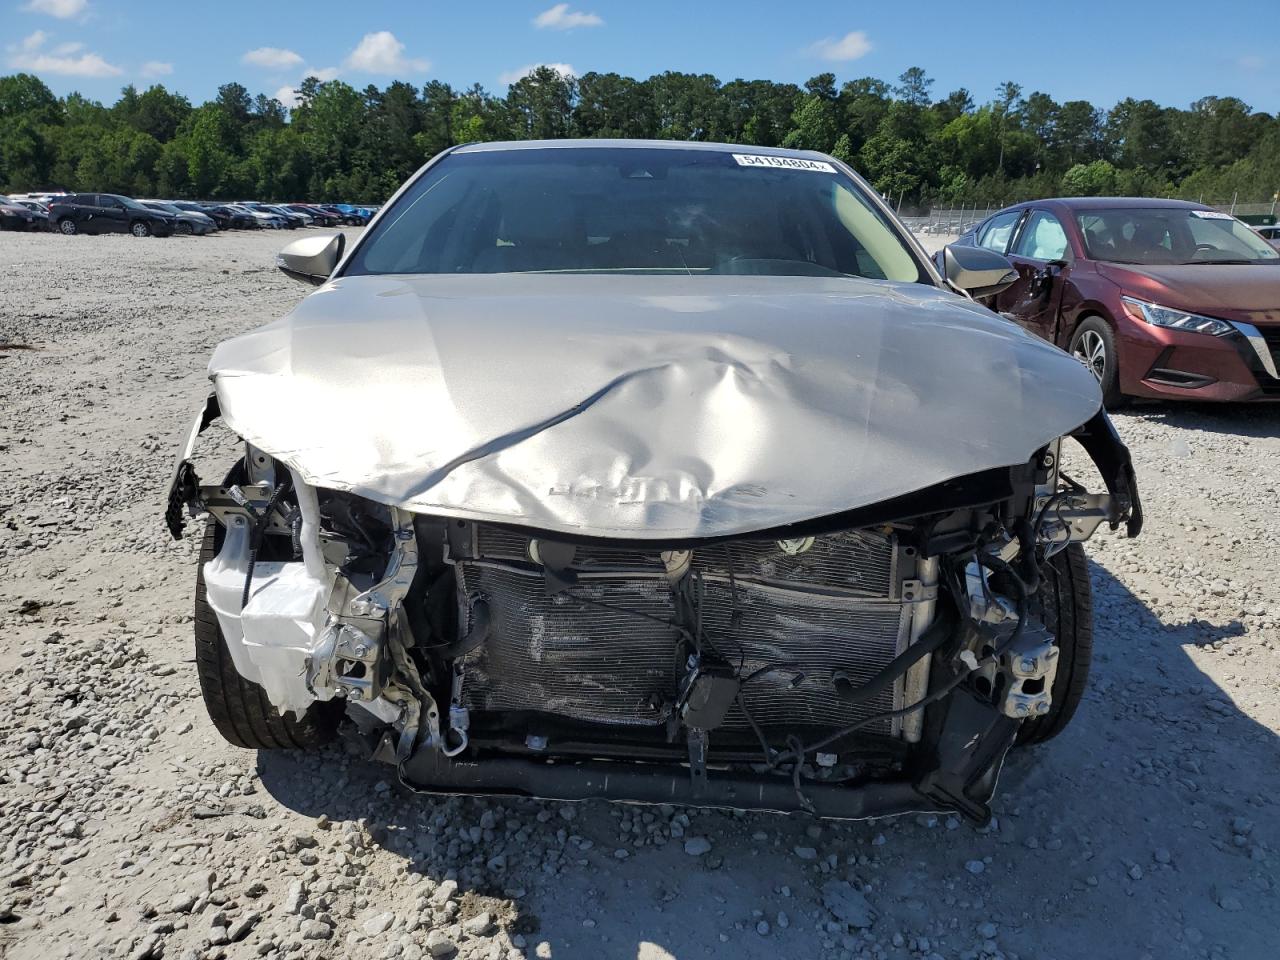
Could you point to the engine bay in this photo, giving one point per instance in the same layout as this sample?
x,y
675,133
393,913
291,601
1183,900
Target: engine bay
x,y
871,663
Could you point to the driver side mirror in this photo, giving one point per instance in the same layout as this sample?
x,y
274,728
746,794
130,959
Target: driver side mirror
x,y
311,259
977,271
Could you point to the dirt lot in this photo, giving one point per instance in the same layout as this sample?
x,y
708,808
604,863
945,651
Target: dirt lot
x,y
1150,829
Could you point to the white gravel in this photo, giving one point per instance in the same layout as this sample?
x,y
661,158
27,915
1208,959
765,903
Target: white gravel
x,y
130,830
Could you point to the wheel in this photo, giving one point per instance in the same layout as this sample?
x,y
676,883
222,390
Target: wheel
x,y
140,229
183,229
239,708
1067,601
67,226
1094,345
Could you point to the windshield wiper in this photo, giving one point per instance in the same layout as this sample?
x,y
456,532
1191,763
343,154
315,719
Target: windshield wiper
x,y
1224,261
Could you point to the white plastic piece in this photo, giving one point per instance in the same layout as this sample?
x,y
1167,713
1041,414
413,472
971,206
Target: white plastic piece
x,y
273,636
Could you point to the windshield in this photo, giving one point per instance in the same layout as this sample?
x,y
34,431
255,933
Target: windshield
x,y
634,210
1168,235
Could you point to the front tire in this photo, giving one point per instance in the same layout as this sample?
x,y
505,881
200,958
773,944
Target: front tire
x,y
1094,345
67,227
140,229
184,229
239,708
1066,597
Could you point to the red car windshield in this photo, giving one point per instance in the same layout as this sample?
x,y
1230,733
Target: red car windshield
x,y
1170,235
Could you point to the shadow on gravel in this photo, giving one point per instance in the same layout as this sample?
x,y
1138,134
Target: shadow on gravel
x,y
1232,419
1142,831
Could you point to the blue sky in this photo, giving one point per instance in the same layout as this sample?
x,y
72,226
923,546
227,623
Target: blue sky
x,y
1172,51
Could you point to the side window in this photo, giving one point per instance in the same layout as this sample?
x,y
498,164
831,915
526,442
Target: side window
x,y
111,203
995,234
1042,238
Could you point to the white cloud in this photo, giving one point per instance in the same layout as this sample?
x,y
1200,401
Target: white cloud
x,y
511,76
1250,62
31,55
381,52
156,68
849,47
560,17
288,96
273,58
62,9
323,74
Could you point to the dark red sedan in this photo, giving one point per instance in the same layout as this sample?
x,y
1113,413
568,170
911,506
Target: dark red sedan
x,y
1159,298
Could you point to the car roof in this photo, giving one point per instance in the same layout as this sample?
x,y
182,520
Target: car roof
x,y
1117,203
583,144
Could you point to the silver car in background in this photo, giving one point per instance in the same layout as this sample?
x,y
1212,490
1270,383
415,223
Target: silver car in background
x,y
655,472
189,222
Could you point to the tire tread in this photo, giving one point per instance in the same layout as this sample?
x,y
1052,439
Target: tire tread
x,y
1067,597
239,708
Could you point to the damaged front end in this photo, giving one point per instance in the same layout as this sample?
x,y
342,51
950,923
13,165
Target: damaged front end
x,y
867,663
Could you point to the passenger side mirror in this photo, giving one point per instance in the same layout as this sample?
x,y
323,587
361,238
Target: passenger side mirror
x,y
977,271
312,259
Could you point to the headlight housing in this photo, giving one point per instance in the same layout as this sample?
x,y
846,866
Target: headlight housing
x,y
1159,316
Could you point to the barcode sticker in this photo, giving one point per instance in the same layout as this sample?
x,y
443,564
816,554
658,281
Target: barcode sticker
x,y
783,163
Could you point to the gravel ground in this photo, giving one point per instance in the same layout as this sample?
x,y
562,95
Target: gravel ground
x,y
130,830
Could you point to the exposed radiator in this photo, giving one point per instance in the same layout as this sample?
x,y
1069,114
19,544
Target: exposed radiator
x,y
604,651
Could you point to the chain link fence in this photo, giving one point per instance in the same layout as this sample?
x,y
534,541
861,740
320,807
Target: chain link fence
x,y
949,221
953,221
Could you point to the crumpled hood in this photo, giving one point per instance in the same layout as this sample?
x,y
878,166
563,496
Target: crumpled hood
x,y
643,407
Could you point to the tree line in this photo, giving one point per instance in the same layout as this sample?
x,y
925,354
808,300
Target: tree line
x,y
338,143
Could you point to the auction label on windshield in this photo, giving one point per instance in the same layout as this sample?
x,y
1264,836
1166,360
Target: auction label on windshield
x,y
783,163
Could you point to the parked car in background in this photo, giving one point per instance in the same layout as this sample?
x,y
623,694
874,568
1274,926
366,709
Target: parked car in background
x,y
1271,234
42,196
226,217
1159,298
189,222
320,216
109,213
15,216
351,216
290,221
263,218
654,472
299,217
41,213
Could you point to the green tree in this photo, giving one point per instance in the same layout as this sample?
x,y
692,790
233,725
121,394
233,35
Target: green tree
x,y
541,104
611,105
438,100
758,111
814,125
1094,179
687,106
339,143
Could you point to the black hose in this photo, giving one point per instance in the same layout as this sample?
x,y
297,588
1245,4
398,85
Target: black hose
x,y
481,627
1022,600
931,640
1022,596
260,531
